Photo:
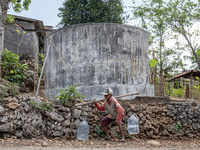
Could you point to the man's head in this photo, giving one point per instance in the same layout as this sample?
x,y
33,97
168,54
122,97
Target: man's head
x,y
108,93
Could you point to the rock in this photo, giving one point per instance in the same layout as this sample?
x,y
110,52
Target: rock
x,y
65,109
8,127
27,108
84,113
4,119
19,134
13,105
165,132
58,133
44,144
76,113
66,123
77,122
1,110
193,104
153,142
148,125
67,115
54,116
149,133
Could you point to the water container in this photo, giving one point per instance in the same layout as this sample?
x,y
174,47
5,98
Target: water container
x,y
133,125
83,130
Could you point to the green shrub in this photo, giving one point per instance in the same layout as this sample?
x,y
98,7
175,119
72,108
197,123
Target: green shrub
x,y
100,131
69,94
11,68
8,89
45,106
177,92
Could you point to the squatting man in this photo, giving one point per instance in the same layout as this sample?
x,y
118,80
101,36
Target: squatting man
x,y
114,110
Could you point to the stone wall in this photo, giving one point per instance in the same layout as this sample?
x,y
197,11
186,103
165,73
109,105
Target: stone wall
x,y
157,119
100,55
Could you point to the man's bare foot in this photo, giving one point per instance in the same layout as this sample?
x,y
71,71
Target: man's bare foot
x,y
122,140
107,138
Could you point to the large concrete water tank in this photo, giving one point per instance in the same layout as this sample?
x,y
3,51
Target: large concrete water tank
x,y
100,55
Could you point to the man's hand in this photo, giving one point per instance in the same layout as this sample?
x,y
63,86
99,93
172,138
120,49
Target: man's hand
x,y
94,101
117,122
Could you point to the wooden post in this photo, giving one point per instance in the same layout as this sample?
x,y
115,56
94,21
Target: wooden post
x,y
44,63
179,82
191,75
187,91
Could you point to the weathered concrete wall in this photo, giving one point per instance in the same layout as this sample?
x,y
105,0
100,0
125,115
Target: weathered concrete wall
x,y
157,119
30,44
100,56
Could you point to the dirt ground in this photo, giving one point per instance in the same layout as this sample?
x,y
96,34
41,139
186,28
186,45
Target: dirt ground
x,y
100,143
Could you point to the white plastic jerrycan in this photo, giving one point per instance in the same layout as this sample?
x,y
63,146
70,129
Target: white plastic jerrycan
x,y
83,130
133,125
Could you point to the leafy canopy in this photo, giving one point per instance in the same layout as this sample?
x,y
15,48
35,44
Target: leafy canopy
x,y
18,7
91,11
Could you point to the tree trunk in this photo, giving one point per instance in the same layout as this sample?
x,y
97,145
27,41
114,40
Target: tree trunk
x,y
193,50
3,13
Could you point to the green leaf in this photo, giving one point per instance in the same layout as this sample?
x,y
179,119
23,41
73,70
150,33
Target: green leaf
x,y
152,62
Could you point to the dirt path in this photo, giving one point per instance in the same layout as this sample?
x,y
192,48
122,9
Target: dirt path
x,y
61,144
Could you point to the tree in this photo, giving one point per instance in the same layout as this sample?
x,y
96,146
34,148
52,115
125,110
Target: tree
x,y
150,14
4,6
180,16
91,11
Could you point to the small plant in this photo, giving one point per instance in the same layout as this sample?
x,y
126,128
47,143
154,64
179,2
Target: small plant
x,y
11,68
129,136
178,126
69,94
45,106
8,89
100,131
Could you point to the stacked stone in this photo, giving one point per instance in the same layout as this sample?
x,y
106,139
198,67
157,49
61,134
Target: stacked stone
x,y
157,120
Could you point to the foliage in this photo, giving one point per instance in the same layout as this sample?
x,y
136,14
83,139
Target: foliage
x,y
11,68
129,136
180,16
193,59
150,14
44,106
8,89
178,126
10,19
91,11
152,62
18,7
69,94
177,92
100,131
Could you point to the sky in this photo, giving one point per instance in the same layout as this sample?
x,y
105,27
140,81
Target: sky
x,y
47,11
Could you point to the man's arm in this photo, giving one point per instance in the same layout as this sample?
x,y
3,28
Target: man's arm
x,y
99,107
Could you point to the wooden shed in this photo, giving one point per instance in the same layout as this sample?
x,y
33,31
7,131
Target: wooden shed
x,y
191,75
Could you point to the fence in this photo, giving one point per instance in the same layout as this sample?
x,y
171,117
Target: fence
x,y
167,89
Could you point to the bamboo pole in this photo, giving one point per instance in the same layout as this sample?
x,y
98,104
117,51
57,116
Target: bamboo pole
x,y
44,63
80,104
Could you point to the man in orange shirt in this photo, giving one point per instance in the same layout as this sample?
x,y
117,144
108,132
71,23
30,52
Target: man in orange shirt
x,y
115,111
